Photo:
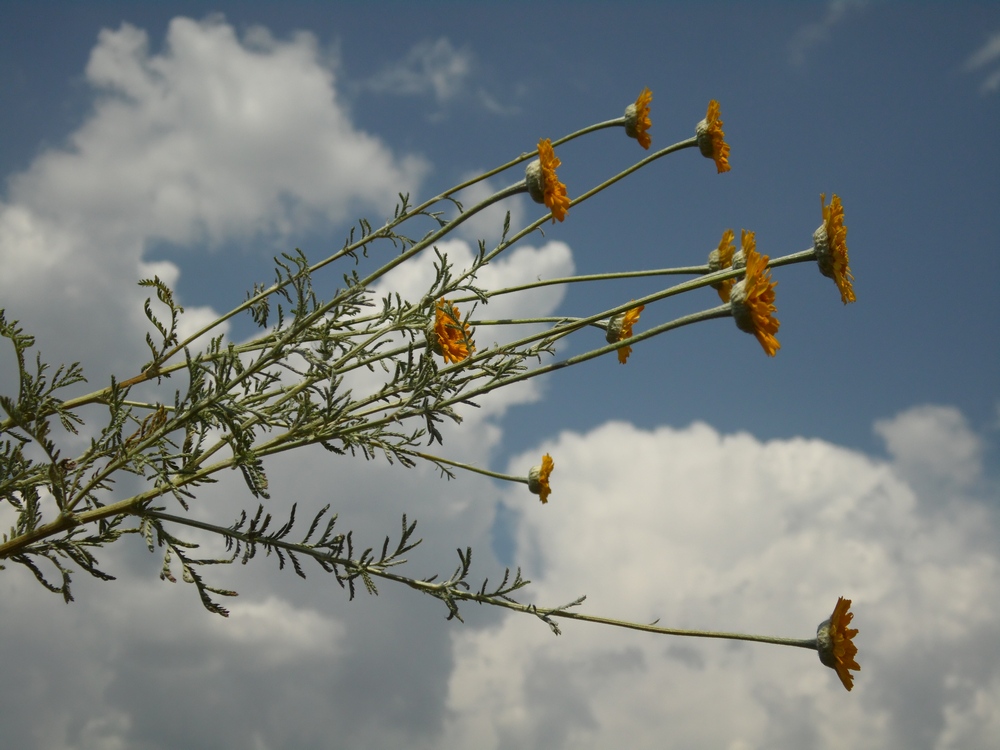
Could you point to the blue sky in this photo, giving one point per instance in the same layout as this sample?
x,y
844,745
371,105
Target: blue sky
x,y
865,452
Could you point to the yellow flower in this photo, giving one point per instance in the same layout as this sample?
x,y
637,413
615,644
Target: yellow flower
x,y
543,184
538,478
711,139
835,642
450,337
721,259
830,244
752,298
637,120
620,328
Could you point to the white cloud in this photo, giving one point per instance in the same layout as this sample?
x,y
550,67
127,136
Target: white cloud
x,y
212,139
726,532
688,525
814,34
933,443
431,66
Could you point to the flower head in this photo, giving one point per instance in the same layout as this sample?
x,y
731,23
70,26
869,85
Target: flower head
x,y
543,185
620,328
711,139
720,259
637,120
448,335
835,642
538,478
752,298
830,244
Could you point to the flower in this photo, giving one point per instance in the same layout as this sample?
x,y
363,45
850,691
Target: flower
x,y
448,335
620,328
538,478
835,642
543,185
637,120
711,139
752,298
830,245
721,259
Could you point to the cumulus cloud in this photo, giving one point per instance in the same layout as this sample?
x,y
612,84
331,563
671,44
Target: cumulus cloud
x,y
211,139
705,530
812,35
697,528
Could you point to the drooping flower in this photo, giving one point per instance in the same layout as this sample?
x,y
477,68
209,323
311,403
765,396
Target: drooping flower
x,y
620,327
543,184
720,259
711,139
448,335
830,244
835,642
538,478
752,298
637,120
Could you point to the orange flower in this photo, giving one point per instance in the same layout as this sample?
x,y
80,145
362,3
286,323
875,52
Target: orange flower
x,y
620,328
538,478
543,184
752,298
450,337
721,259
637,120
835,642
711,139
830,244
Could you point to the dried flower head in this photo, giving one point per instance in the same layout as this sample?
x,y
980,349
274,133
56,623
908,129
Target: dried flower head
x,y
830,245
620,327
543,184
538,478
448,335
637,120
720,259
752,298
711,139
835,642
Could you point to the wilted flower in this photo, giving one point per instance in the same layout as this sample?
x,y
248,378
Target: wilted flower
x,y
543,184
637,120
711,139
752,298
538,478
620,327
835,642
830,244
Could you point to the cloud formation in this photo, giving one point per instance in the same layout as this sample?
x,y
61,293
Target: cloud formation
x,y
705,530
212,139
691,526
434,67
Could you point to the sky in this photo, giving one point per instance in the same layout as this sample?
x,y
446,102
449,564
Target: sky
x,y
703,484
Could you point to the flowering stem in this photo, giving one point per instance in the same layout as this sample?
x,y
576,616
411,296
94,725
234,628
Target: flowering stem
x,y
799,257
809,643
468,467
449,590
